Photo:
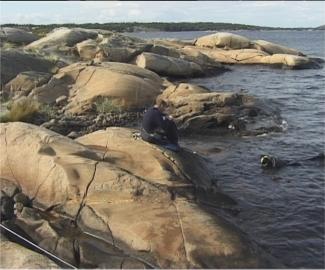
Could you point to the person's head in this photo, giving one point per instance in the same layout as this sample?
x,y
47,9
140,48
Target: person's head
x,y
267,161
161,105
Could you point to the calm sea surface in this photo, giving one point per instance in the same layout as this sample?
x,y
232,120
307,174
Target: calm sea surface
x,y
282,210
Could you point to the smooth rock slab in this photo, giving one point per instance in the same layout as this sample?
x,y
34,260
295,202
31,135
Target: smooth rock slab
x,y
14,62
150,215
168,66
63,37
126,86
15,35
24,82
223,40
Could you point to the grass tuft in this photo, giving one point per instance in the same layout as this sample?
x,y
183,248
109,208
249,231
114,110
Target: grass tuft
x,y
106,105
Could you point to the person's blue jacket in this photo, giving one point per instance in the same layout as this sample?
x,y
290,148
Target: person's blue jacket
x,y
154,120
158,127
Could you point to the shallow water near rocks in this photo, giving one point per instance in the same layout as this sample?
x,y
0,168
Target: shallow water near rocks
x,y
282,210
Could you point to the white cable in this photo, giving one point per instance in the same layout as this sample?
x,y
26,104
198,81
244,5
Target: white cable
x,y
34,245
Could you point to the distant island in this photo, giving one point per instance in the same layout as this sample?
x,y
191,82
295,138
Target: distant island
x,y
41,30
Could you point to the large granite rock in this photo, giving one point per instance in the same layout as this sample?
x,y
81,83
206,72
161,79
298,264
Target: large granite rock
x,y
112,47
87,49
198,110
223,40
120,48
140,214
127,86
254,56
63,37
190,55
169,66
24,82
272,48
229,48
17,36
59,44
14,62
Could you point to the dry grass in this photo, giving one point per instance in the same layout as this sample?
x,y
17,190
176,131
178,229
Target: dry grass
x,y
106,105
20,110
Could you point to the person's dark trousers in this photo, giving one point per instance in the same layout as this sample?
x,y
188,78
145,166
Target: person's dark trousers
x,y
153,138
161,139
171,132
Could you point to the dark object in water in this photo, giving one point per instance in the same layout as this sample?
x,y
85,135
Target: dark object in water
x,y
268,161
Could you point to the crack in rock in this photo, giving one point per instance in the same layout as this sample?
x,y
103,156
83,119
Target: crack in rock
x,y
86,192
182,231
91,75
106,223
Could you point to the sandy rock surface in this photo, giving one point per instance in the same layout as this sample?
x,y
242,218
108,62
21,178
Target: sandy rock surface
x,y
146,215
127,86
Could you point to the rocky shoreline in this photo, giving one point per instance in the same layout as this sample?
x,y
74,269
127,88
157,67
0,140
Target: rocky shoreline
x,y
77,181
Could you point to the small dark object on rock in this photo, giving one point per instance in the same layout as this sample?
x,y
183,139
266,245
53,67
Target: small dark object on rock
x,y
73,135
6,207
22,198
61,100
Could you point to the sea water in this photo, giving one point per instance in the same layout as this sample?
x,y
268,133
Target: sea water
x,y
282,210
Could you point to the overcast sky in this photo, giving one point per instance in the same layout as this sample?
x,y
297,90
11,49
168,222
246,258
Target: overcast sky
x,y
262,13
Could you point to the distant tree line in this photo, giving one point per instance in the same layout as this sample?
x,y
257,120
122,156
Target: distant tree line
x,y
151,26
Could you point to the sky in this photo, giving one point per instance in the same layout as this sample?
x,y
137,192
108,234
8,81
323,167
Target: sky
x,y
261,13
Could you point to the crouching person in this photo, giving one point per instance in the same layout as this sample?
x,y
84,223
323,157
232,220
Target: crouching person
x,y
159,128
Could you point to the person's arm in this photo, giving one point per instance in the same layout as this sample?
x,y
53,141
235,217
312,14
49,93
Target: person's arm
x,y
162,120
